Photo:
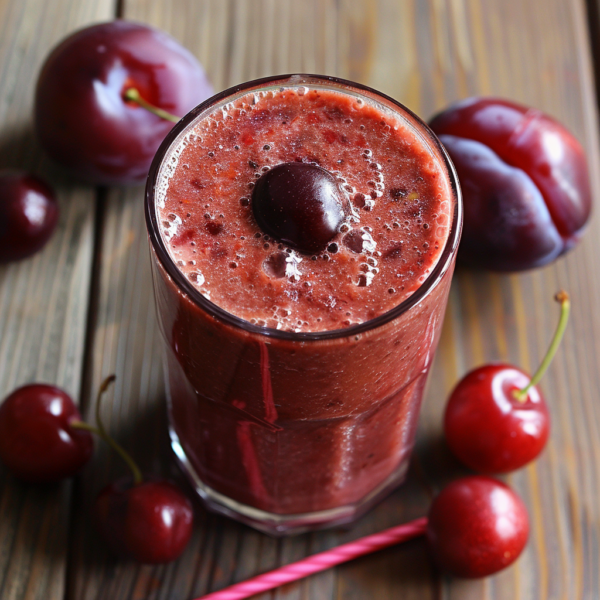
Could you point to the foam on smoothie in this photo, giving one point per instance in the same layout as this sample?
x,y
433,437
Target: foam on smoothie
x,y
398,222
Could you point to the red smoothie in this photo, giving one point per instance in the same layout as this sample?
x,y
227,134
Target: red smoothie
x,y
295,378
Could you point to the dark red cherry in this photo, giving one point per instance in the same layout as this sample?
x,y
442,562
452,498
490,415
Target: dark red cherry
x,y
496,419
524,179
83,120
299,204
28,215
477,526
488,428
37,442
150,522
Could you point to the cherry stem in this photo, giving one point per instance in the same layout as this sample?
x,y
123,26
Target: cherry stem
x,y
101,432
565,307
133,95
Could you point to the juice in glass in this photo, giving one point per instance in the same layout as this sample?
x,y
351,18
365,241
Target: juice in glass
x,y
295,379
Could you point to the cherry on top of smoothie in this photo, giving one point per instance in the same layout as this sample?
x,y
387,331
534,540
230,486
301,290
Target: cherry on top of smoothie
x,y
398,220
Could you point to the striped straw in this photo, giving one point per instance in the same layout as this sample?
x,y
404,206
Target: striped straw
x,y
320,562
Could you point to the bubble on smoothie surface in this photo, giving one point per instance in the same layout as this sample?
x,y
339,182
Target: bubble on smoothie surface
x,y
196,277
171,225
275,265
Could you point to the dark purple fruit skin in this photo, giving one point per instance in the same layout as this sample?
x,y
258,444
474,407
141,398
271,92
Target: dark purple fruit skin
x,y
524,179
28,215
150,522
81,118
508,225
299,204
37,443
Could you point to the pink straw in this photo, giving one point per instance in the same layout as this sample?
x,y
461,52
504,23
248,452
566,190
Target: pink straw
x,y
320,562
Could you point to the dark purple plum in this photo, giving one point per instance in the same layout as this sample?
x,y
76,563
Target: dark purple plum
x,y
299,204
28,215
524,179
82,118
508,226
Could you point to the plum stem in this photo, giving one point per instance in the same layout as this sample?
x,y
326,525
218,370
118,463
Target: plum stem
x,y
133,95
101,432
565,307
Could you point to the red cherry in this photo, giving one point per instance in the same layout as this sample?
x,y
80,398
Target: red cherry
x,y
146,520
82,117
487,428
524,179
477,526
28,215
299,204
150,522
496,419
37,442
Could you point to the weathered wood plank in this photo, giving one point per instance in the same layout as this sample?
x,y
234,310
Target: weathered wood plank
x,y
426,54
43,300
126,342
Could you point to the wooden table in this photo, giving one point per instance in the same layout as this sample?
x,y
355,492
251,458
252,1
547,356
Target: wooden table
x,y
83,308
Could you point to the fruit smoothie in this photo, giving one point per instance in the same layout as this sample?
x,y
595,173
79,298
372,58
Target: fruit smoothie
x,y
295,376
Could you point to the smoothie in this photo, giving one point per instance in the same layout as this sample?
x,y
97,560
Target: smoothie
x,y
295,378
398,198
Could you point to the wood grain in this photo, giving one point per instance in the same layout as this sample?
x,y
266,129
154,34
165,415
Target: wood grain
x,y
426,53
43,300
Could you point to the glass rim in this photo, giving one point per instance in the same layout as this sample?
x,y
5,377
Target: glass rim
x,y
219,313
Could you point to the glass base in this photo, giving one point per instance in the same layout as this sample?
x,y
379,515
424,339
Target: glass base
x,y
281,525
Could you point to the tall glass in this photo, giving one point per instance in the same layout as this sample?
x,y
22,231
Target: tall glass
x,y
293,431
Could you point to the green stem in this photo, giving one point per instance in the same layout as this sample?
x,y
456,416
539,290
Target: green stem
x,y
133,95
565,307
101,432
